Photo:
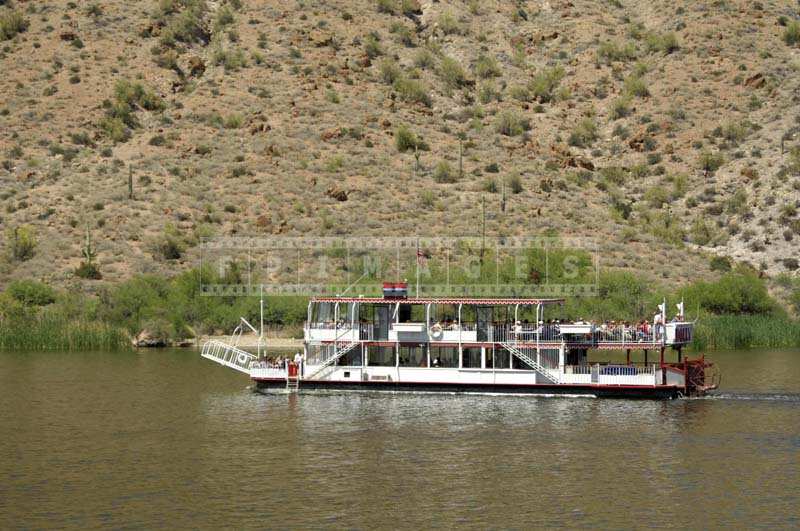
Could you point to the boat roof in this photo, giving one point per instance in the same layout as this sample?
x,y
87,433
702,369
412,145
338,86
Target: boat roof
x,y
438,300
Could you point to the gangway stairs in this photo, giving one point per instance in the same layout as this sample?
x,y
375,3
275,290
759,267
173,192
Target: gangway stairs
x,y
228,355
524,353
330,355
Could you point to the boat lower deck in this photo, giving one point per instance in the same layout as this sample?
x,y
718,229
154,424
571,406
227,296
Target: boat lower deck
x,y
658,392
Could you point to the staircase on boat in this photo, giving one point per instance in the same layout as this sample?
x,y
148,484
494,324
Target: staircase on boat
x,y
328,356
528,356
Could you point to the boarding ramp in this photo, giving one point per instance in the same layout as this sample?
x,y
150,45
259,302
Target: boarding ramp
x,y
228,355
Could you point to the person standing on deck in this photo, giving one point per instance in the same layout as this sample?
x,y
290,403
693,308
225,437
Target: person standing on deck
x,y
657,325
298,360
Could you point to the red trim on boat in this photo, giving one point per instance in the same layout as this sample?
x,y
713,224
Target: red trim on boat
x,y
443,300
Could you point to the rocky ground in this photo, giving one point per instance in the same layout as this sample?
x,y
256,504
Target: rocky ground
x,y
666,131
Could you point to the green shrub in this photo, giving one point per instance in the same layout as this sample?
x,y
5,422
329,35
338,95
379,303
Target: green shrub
x,y
520,93
515,183
720,263
451,72
737,203
171,246
711,162
424,58
701,232
487,92
448,23
21,243
94,10
231,60
185,22
443,173
620,108
509,124
88,271
115,129
407,140
224,18
544,84
427,198
412,91
486,67
31,292
733,293
635,86
584,134
611,51
120,114
157,140
388,7
657,196
372,46
735,132
390,71
11,23
666,43
791,35
233,121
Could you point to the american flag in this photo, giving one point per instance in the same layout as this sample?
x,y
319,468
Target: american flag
x,y
421,258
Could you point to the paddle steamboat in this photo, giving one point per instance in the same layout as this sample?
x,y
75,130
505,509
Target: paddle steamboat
x,y
474,345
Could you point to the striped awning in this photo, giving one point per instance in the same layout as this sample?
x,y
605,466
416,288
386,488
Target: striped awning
x,y
441,300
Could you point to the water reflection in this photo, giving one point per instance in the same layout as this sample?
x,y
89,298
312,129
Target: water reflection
x,y
167,440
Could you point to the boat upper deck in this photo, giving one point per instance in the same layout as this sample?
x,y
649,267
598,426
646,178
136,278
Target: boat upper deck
x,y
479,321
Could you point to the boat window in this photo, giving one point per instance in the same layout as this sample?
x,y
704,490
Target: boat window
x,y
471,358
411,313
352,358
518,364
413,355
469,316
443,313
502,359
322,315
381,356
444,356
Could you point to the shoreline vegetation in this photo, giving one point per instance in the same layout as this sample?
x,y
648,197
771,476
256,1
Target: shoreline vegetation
x,y
735,311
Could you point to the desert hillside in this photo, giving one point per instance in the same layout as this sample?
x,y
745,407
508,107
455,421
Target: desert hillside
x,y
668,131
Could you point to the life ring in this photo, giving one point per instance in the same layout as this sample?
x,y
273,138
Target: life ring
x,y
436,331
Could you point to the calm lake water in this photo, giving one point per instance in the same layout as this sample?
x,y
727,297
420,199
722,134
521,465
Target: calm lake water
x,y
168,440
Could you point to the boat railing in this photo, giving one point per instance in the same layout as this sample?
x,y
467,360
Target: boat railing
x,y
329,325
366,332
629,334
265,369
589,334
612,374
524,333
574,333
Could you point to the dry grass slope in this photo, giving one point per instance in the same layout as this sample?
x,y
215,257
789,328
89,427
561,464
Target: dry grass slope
x,y
667,130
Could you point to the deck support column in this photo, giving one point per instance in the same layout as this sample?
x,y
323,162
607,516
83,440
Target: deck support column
x,y
679,354
645,356
662,356
627,356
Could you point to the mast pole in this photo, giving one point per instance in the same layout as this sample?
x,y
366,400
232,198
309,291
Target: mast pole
x,y
417,262
261,317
